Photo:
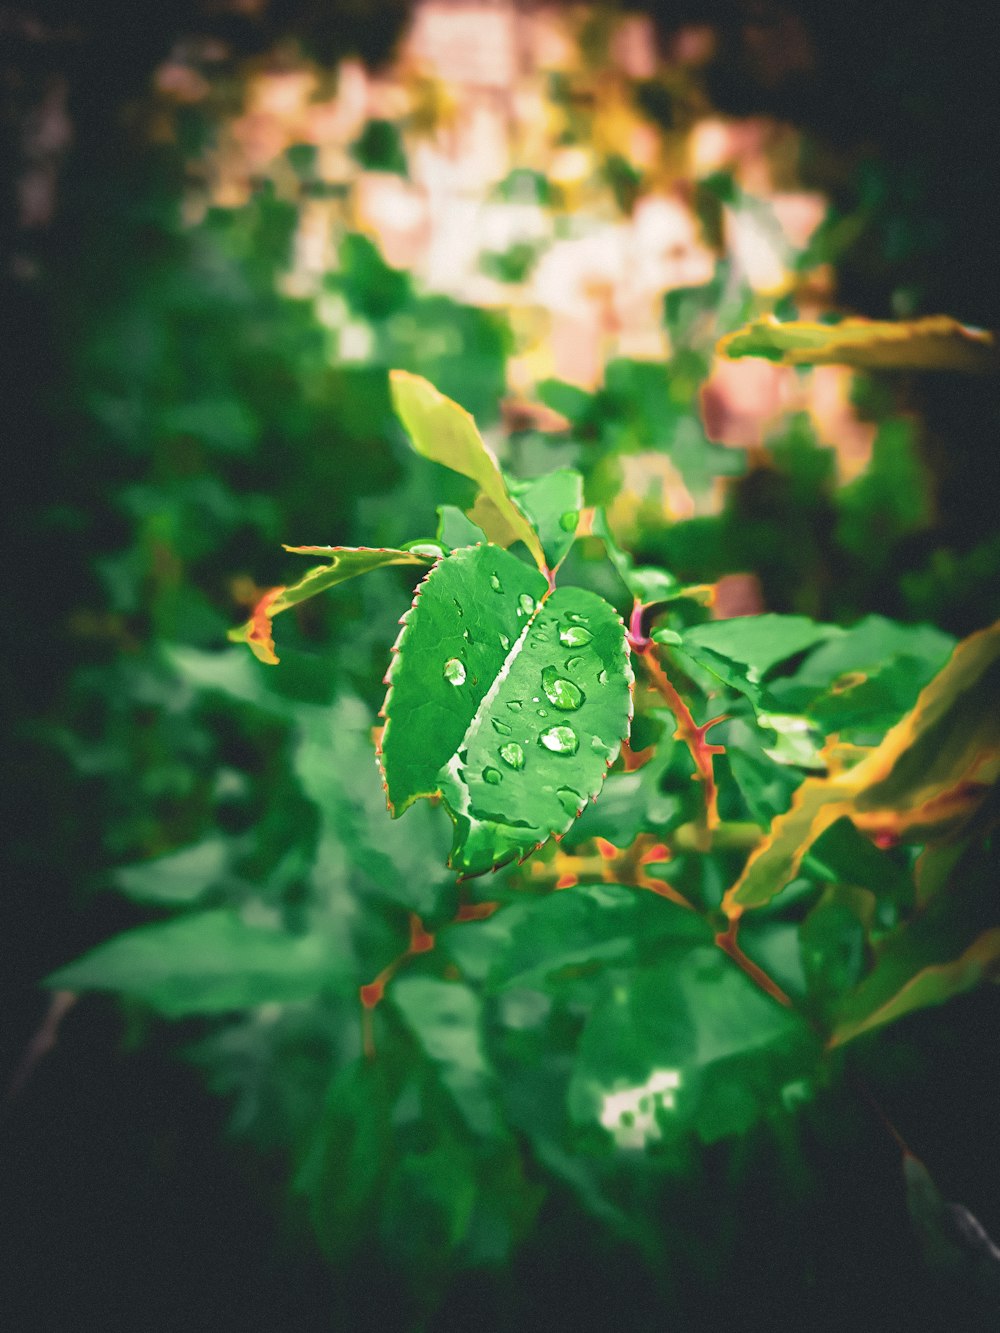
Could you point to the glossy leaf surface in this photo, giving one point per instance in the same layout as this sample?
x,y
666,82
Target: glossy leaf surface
x,y
511,708
553,504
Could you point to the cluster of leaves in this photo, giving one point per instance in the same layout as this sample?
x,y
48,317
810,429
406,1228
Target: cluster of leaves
x,y
637,983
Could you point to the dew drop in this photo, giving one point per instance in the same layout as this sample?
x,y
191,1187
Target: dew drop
x,y
454,671
598,746
560,692
575,618
458,606
504,728
569,520
432,549
560,740
575,636
525,604
602,678
512,755
542,712
467,636
504,642
572,663
570,800
493,776
514,705
495,583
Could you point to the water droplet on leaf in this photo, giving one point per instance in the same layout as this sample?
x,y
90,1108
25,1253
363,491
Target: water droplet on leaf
x,y
575,636
569,520
493,776
458,606
560,692
572,663
502,727
504,642
512,755
575,618
602,678
525,604
454,671
515,705
495,583
560,740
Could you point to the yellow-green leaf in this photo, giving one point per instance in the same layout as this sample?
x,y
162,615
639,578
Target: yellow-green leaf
x,y
344,563
923,782
445,433
934,343
932,985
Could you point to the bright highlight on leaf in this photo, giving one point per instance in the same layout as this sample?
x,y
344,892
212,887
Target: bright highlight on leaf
x,y
491,707
935,343
345,563
445,433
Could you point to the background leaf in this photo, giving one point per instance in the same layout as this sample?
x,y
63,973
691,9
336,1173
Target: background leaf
x,y
205,964
933,343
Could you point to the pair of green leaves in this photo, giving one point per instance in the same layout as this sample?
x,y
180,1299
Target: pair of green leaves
x,y
508,698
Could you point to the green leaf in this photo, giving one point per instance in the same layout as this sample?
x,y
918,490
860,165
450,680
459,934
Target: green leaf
x,y
445,433
925,780
334,761
934,343
758,642
180,877
345,563
693,1045
583,928
455,530
445,1017
553,504
209,963
508,703
931,985
646,584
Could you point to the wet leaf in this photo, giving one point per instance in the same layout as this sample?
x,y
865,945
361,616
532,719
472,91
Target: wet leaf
x,y
553,503
508,702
